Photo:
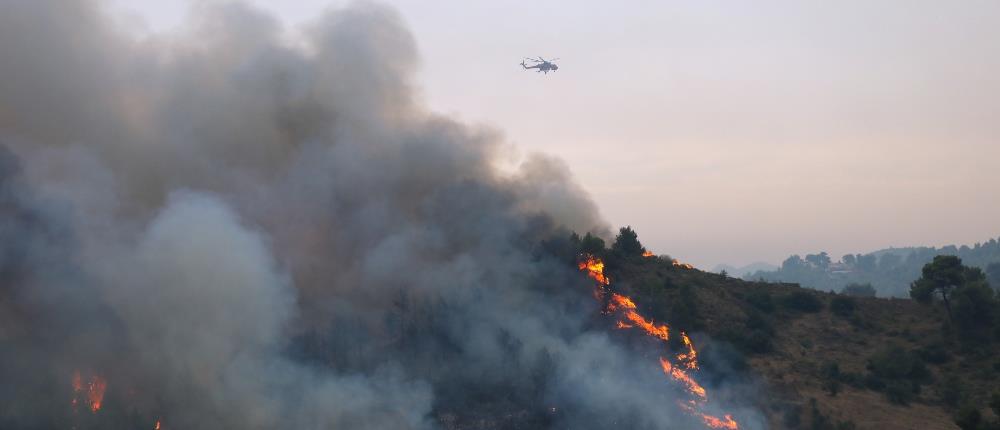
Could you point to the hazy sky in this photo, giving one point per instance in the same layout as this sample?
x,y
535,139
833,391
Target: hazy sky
x,y
729,131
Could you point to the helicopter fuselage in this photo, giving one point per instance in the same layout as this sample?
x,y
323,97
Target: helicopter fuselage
x,y
541,66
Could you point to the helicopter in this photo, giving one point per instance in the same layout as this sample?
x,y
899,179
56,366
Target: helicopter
x,y
541,65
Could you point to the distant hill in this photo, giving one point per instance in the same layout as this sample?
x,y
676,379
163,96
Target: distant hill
x,y
890,271
739,272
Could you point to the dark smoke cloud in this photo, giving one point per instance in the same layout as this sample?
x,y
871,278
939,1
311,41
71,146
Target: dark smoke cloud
x,y
241,233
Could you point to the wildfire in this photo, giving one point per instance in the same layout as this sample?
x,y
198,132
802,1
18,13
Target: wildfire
x,y
687,361
726,422
683,377
648,254
682,265
595,269
92,392
95,392
619,301
690,358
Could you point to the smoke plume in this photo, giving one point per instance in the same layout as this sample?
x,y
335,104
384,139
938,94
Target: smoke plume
x,y
235,231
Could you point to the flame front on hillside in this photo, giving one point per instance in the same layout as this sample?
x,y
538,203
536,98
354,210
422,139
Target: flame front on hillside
x,y
677,263
685,362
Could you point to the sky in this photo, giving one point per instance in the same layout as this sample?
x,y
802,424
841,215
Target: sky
x,y
724,131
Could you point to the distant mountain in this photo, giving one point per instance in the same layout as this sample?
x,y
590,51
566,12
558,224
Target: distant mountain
x,y
890,271
743,270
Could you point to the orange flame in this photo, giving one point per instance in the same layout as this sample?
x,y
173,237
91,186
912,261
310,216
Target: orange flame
x,y
157,426
93,393
726,422
682,265
595,269
661,331
618,300
688,360
648,254
683,377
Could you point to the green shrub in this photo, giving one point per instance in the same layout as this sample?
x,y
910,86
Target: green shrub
x,y
899,392
818,421
831,386
792,418
895,363
761,300
831,378
853,379
684,309
969,418
951,391
874,382
802,301
858,290
759,342
749,341
847,425
842,306
830,370
897,373
757,321
934,353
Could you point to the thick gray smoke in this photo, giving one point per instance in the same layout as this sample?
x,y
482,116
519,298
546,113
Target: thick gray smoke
x,y
239,232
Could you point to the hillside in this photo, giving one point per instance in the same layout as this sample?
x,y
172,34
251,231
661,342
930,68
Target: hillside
x,y
821,360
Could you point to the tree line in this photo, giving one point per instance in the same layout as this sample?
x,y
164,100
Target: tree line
x,y
888,272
